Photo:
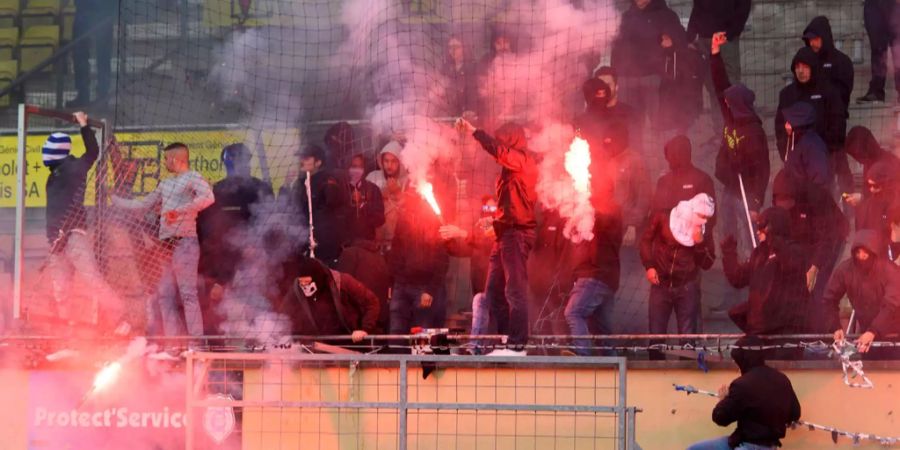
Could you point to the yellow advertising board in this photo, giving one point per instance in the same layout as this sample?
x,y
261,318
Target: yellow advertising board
x,y
145,148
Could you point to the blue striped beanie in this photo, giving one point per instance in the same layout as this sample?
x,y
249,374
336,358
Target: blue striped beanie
x,y
56,149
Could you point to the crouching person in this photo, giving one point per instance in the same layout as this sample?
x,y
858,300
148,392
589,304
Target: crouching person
x,y
322,302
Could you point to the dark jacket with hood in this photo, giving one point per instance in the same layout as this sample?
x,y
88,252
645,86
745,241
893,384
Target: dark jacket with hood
x,y
816,229
235,197
599,257
806,155
873,288
711,16
676,264
836,66
762,400
625,169
830,113
340,305
863,147
636,51
683,181
745,148
516,185
554,257
599,114
681,86
418,255
776,275
366,211
65,189
873,213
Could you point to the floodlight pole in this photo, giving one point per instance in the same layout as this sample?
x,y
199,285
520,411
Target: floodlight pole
x,y
18,242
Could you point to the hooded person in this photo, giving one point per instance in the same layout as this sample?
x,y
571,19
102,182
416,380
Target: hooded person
x,y
514,225
872,284
683,181
829,117
674,249
681,86
864,148
321,302
873,213
762,401
391,178
776,276
366,203
836,66
71,247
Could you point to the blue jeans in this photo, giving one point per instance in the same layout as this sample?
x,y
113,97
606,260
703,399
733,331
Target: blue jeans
x,y
507,284
590,299
179,280
405,310
683,300
722,444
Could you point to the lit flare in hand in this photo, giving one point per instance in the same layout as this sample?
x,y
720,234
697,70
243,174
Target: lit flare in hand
x,y
577,164
426,190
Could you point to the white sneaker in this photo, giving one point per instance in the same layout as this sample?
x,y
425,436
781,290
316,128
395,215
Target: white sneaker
x,y
507,352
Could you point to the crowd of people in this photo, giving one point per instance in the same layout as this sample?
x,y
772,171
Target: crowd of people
x,y
377,256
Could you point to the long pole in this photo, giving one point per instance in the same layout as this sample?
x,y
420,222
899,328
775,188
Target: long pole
x,y
18,243
747,211
312,234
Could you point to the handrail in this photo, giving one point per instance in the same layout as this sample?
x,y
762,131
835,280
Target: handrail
x,y
54,58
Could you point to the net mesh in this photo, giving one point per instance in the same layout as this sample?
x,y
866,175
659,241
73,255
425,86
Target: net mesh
x,y
280,75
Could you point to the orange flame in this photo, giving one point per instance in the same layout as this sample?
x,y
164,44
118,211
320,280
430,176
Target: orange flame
x,y
426,190
106,376
580,215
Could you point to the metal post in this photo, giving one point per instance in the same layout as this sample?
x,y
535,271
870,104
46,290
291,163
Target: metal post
x,y
189,402
18,242
621,415
402,407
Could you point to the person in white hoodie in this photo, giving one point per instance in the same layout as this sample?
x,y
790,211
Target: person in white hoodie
x,y
391,178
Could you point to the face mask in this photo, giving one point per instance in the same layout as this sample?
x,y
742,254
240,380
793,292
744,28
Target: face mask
x,y
309,289
356,174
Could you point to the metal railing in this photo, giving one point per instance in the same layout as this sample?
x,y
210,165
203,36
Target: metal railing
x,y
411,396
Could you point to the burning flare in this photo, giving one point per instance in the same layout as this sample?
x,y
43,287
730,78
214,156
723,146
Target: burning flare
x,y
106,376
426,190
577,164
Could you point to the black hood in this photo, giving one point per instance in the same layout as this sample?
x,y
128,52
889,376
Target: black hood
x,y
811,59
819,27
869,240
862,145
748,359
778,222
512,135
653,6
783,186
882,174
617,133
800,115
678,153
740,101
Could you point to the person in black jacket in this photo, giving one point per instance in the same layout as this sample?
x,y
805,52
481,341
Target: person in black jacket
x,y
329,203
864,148
829,120
366,204
872,284
418,260
616,110
674,248
683,181
236,197
71,248
596,270
637,56
744,153
461,92
681,85
319,301
881,19
776,275
709,17
873,211
514,226
762,401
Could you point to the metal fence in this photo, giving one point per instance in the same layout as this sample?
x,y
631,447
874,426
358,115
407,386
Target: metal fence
x,y
295,400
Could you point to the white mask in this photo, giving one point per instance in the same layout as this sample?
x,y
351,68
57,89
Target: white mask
x,y
309,289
